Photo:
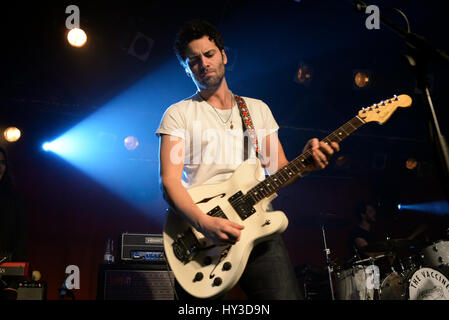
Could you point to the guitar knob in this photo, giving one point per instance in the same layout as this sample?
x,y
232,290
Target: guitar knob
x,y
227,266
217,281
198,277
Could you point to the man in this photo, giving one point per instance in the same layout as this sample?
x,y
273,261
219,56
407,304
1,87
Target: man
x,y
362,234
200,144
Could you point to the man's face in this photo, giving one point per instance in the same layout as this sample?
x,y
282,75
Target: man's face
x,y
205,63
370,214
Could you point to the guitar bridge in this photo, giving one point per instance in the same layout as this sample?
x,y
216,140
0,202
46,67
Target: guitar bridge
x,y
185,246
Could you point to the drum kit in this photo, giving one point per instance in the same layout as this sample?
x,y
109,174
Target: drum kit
x,y
423,275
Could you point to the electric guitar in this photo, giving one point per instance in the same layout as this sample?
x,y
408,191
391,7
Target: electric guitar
x,y
206,270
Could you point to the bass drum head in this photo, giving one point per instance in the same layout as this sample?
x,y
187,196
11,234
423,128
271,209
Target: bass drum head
x,y
429,284
394,287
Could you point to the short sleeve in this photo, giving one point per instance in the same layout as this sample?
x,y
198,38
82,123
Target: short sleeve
x,y
270,123
172,123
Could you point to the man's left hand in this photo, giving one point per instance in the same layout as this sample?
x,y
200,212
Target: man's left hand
x,y
321,152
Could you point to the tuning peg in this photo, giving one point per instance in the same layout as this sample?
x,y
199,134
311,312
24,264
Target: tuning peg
x,y
396,98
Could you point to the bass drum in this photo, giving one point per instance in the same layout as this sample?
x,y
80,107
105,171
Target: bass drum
x,y
394,287
429,284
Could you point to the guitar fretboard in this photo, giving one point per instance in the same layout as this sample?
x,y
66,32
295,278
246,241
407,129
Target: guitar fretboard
x,y
299,165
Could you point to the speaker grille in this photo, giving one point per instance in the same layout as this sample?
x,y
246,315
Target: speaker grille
x,y
138,285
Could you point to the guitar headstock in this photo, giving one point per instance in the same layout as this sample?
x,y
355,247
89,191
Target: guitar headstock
x,y
382,111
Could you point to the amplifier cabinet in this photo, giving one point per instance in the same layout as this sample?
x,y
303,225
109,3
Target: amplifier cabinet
x,y
135,282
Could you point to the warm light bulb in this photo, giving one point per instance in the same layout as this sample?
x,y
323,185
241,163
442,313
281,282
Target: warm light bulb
x,y
12,134
77,37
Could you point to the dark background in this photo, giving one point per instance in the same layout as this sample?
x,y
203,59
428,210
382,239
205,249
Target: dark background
x,y
48,87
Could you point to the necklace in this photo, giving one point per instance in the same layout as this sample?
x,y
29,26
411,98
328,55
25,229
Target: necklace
x,y
230,115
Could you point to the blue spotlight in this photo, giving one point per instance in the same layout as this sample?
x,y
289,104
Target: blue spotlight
x,y
46,146
435,207
100,145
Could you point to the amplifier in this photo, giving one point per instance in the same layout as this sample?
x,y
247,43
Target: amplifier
x,y
32,290
141,247
135,282
18,269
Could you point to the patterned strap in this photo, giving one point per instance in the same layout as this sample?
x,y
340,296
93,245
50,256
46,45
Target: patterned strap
x,y
244,113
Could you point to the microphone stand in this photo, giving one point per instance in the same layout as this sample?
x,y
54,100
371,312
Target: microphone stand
x,y
328,263
421,52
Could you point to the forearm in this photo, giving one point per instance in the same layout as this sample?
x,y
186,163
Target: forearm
x,y
179,198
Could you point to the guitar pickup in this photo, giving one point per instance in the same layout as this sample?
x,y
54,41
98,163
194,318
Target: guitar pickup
x,y
243,208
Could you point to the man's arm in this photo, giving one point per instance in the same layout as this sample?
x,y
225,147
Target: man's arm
x,y
171,154
361,243
274,157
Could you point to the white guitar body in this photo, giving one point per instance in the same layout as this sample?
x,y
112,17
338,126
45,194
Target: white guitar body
x,y
259,226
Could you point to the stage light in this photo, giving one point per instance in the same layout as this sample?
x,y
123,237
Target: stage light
x,y
411,163
304,74
435,207
46,146
131,143
361,79
12,134
77,37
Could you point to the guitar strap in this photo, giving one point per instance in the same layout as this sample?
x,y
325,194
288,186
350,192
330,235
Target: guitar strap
x,y
248,125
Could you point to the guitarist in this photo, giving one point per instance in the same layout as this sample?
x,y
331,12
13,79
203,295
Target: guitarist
x,y
201,142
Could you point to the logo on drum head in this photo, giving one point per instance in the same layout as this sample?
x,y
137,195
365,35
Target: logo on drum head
x,y
428,284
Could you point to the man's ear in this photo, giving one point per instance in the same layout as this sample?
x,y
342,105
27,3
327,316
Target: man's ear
x,y
225,57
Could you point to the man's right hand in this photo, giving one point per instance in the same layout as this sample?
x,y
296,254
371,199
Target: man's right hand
x,y
220,231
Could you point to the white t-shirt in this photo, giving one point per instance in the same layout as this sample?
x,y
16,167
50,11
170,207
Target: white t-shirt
x,y
212,150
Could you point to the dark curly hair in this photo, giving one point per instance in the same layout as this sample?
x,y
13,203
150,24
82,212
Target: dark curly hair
x,y
193,30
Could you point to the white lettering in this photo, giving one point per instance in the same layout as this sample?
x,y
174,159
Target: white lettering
x,y
73,280
72,21
373,21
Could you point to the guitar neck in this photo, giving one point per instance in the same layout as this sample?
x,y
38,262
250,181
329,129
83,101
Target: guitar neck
x,y
298,166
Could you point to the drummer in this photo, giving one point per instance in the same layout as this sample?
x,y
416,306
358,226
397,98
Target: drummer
x,y
362,236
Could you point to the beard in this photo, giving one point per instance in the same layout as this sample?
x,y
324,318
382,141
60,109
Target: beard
x,y
212,81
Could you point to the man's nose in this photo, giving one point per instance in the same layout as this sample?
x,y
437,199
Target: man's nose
x,y
204,62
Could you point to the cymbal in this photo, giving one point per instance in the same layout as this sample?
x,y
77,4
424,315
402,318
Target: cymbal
x,y
392,245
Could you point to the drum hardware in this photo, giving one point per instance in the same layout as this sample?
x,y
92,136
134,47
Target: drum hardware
x,y
328,262
370,259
